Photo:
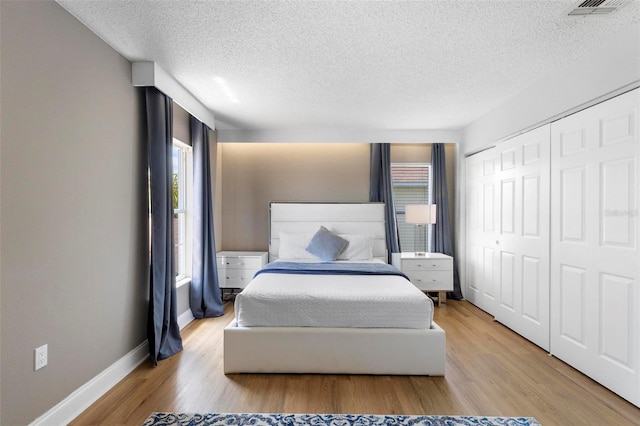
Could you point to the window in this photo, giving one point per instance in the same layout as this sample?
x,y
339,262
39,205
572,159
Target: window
x,y
182,195
410,186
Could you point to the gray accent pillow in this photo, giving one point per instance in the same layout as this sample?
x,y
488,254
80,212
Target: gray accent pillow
x,y
326,245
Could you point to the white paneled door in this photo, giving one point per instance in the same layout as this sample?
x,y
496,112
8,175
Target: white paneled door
x,y
481,230
522,177
595,260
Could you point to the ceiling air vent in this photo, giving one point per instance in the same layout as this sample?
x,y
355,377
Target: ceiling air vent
x,y
595,7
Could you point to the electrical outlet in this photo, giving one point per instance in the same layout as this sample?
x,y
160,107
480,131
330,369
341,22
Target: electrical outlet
x,y
40,357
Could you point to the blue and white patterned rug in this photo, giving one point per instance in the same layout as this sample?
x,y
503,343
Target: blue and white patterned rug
x,y
254,419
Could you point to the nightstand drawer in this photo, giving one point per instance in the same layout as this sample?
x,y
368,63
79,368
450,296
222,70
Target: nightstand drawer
x,y
427,265
235,278
430,272
431,280
240,262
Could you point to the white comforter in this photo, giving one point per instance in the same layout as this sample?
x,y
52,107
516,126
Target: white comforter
x,y
362,301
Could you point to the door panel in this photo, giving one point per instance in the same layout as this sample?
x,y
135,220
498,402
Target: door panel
x,y
508,204
616,307
572,307
573,195
507,280
488,206
618,198
531,198
523,238
595,262
531,292
481,225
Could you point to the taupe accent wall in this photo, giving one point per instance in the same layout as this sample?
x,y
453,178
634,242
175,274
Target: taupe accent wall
x,y
411,153
74,207
216,160
254,174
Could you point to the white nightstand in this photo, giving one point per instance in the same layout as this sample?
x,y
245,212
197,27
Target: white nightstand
x,y
431,272
237,268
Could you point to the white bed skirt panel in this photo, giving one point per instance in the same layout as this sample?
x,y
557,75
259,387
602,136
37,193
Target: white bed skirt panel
x,y
379,351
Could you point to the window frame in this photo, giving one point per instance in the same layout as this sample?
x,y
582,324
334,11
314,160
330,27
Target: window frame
x,y
398,211
184,246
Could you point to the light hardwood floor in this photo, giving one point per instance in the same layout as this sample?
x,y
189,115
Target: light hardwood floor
x,y
491,371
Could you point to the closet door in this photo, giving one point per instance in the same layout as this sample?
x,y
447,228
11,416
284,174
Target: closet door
x,y
594,243
481,234
523,240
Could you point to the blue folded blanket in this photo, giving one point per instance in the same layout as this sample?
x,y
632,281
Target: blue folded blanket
x,y
330,268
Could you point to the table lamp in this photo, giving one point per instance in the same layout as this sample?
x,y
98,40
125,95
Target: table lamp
x,y
420,215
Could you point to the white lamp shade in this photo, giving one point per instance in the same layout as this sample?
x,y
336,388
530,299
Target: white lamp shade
x,y
419,214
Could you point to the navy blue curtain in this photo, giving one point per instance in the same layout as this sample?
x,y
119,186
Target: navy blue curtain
x,y
204,296
381,190
442,227
163,332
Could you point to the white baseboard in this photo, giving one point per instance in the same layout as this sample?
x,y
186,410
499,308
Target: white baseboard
x,y
80,399
185,318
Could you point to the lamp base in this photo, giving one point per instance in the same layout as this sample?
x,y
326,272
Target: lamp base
x,y
420,240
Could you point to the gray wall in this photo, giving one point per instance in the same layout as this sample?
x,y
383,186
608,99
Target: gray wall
x,y
73,209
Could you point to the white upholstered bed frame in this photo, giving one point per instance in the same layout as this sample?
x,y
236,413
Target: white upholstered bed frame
x,y
332,350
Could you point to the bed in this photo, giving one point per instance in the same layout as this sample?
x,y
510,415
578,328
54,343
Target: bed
x,y
299,318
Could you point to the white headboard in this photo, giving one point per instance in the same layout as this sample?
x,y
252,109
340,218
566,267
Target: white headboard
x,y
341,218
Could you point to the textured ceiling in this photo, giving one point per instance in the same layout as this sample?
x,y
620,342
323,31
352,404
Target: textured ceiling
x,y
351,64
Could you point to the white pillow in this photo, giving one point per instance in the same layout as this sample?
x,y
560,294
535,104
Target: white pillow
x,y
294,246
360,247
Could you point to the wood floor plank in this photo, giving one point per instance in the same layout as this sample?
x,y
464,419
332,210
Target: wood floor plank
x,y
490,371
